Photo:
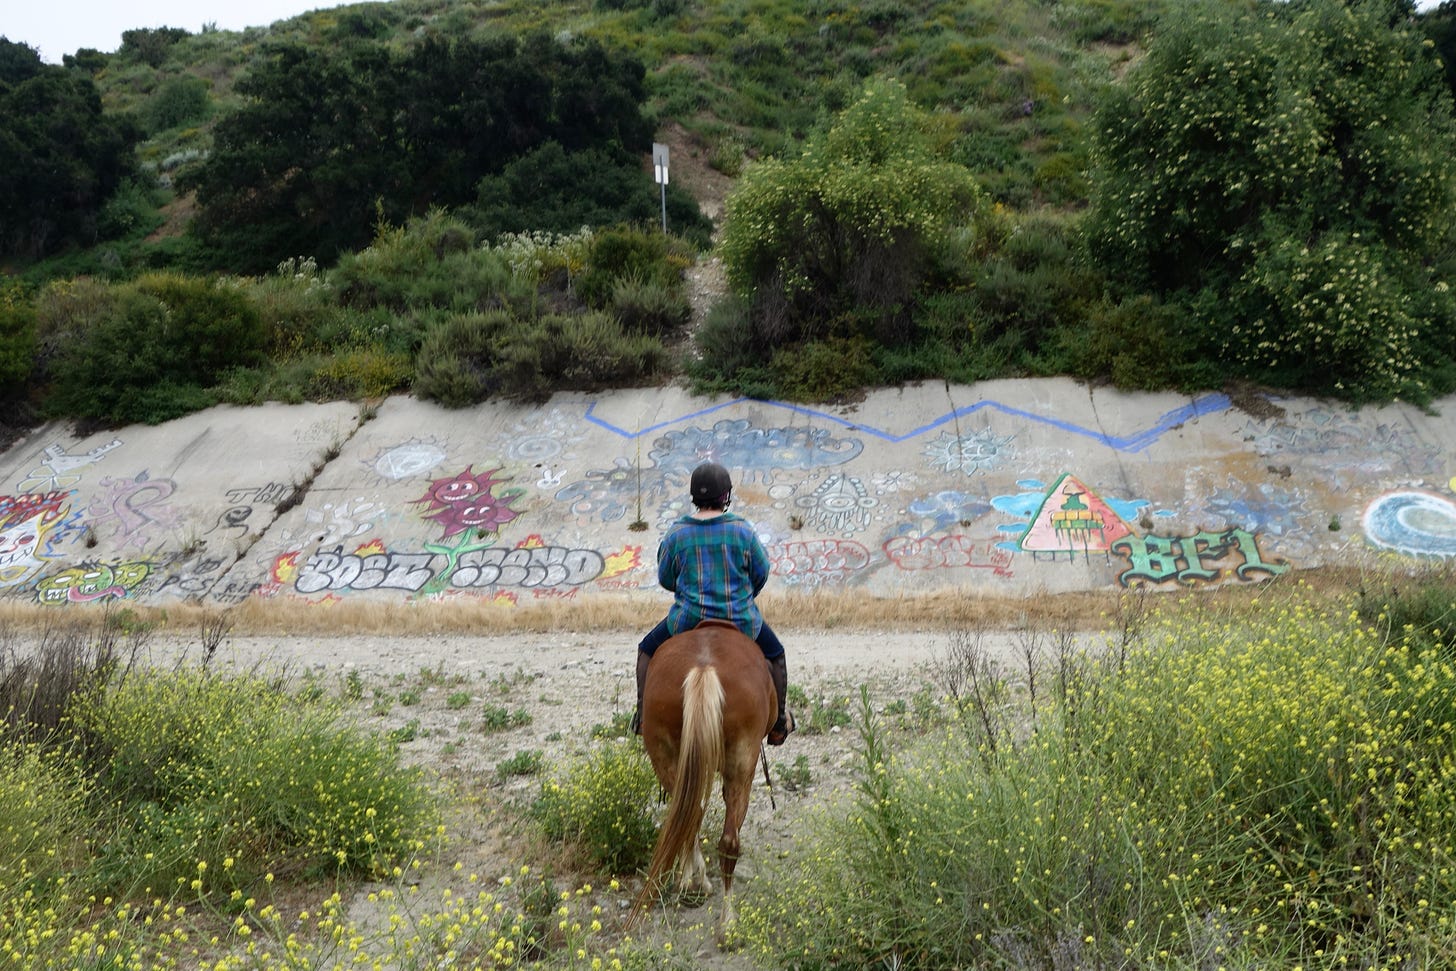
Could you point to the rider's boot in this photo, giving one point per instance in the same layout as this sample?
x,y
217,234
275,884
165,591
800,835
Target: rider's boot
x,y
642,660
778,670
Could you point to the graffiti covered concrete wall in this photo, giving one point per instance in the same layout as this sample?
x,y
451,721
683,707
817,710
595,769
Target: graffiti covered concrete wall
x,y
1015,487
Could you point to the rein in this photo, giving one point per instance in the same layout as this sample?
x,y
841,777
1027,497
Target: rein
x,y
763,757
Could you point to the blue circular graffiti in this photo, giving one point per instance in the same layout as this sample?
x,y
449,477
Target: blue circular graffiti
x,y
1413,523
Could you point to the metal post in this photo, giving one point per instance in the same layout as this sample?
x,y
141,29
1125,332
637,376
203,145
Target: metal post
x,y
659,172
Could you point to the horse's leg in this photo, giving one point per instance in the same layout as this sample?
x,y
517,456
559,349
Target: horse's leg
x,y
695,872
737,785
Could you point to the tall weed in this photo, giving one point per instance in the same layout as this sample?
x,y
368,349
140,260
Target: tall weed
x,y
1263,794
238,776
604,805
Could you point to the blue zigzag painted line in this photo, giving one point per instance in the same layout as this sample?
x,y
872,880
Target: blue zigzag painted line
x,y
1208,404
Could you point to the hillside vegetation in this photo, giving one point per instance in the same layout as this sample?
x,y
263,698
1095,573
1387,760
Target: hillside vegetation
x,y
454,199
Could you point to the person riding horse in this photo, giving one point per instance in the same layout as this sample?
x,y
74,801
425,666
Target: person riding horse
x,y
715,566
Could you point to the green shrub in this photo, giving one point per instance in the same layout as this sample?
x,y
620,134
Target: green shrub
x,y
454,363
131,212
430,262
824,370
604,805
1276,790
156,351
466,359
17,341
1421,607
522,763
178,101
362,373
1137,343
47,814
625,253
498,718
649,307
204,769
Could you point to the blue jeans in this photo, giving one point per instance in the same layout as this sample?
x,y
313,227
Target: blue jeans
x,y
768,642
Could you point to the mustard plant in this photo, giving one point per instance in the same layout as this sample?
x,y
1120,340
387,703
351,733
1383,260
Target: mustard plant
x,y
604,804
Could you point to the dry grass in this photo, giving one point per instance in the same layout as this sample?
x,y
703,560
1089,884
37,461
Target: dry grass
x,y
847,609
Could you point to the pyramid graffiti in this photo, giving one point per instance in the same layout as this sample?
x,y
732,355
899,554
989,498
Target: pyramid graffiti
x,y
1072,519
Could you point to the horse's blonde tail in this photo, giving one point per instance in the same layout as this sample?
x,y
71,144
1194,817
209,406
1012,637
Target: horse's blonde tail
x,y
699,760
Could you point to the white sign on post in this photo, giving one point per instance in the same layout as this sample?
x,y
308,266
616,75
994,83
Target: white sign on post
x,y
659,172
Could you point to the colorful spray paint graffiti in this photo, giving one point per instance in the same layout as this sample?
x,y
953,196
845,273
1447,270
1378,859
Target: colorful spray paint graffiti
x,y
982,451
1073,519
945,509
31,525
947,553
92,582
1067,518
468,502
1413,523
406,460
1194,559
177,575
838,505
609,494
136,511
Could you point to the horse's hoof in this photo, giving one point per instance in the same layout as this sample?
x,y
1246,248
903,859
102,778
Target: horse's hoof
x,y
693,897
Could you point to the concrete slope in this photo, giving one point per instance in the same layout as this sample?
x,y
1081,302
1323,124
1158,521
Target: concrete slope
x,y
1006,487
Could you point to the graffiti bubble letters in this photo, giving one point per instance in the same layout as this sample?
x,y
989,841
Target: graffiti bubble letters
x,y
738,445
818,561
337,570
535,566
1192,559
945,552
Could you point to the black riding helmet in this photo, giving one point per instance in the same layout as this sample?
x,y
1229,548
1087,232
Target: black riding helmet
x,y
711,486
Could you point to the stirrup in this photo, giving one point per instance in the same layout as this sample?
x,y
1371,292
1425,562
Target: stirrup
x,y
782,729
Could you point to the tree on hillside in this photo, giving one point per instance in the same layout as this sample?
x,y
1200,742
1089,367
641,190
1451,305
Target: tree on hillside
x,y
1283,173
332,143
63,156
838,241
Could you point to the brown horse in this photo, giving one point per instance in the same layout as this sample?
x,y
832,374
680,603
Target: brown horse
x,y
706,707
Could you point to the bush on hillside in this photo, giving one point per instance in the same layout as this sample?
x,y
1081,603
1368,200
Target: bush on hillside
x,y
154,350
468,358
17,341
1286,176
839,241
630,253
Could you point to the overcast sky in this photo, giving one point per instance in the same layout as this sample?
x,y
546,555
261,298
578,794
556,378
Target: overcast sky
x,y
58,27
